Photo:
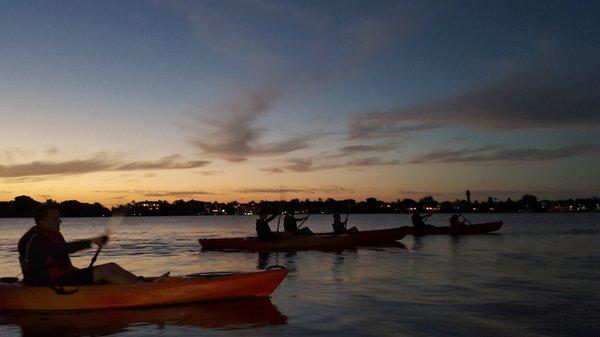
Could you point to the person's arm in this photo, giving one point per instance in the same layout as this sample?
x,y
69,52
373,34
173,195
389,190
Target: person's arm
x,y
40,246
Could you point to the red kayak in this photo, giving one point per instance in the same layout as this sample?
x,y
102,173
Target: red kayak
x,y
172,290
325,241
481,228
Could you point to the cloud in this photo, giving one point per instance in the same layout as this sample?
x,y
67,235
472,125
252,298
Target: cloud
x,y
52,151
174,161
102,161
543,97
275,190
309,165
209,173
325,50
231,132
360,149
15,153
497,154
157,193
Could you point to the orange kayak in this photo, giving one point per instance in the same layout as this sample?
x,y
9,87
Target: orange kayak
x,y
172,290
323,241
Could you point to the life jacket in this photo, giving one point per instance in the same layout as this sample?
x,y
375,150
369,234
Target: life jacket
x,y
51,267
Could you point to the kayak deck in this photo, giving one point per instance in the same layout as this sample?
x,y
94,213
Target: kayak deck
x,y
172,290
327,241
481,228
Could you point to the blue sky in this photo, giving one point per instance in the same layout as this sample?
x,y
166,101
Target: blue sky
x,y
226,100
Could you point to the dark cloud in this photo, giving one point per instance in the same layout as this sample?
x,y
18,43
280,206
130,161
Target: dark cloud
x,y
41,170
309,165
497,154
231,133
100,162
535,98
169,162
365,162
360,149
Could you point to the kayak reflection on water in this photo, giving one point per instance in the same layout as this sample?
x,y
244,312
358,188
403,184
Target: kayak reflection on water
x,y
249,313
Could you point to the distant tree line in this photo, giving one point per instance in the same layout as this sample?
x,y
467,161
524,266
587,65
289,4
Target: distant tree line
x,y
24,206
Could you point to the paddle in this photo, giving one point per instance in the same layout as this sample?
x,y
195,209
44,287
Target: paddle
x,y
462,216
278,221
302,223
105,238
114,222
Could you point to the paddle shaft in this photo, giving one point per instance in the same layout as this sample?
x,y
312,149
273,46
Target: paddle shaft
x,y
95,257
467,220
302,223
278,221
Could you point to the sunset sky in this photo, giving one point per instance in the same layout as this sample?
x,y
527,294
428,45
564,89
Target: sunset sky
x,y
114,101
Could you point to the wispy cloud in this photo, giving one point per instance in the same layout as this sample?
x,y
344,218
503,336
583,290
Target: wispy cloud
x,y
174,161
231,132
156,193
497,154
275,190
309,165
209,173
102,161
324,51
524,99
361,149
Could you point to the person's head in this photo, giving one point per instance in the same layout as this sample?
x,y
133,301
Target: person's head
x,y
336,216
454,217
47,217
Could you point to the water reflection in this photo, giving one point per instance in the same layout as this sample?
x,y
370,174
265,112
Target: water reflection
x,y
250,313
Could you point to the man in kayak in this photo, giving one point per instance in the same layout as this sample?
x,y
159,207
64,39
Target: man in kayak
x,y
418,221
44,255
339,226
290,225
263,231
455,221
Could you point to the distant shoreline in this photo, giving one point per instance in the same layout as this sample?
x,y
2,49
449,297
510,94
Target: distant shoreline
x,y
24,207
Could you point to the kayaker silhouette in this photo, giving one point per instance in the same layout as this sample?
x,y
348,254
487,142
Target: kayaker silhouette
x,y
44,255
339,226
290,225
418,221
263,231
456,222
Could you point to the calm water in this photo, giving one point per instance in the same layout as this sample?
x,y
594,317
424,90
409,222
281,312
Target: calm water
x,y
539,277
